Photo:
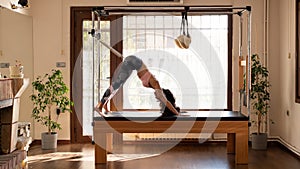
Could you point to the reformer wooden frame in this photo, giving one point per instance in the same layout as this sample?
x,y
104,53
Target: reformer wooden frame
x,y
233,123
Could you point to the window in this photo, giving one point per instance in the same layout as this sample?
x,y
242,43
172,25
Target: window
x,y
198,76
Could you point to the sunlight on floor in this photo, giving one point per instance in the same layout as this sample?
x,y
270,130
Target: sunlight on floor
x,y
128,157
80,156
55,156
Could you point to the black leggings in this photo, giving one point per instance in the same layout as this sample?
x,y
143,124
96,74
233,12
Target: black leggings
x,y
122,73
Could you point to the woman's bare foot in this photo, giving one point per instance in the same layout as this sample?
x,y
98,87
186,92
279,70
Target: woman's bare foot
x,y
99,107
105,107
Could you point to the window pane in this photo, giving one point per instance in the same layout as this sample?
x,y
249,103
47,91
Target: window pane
x,y
197,76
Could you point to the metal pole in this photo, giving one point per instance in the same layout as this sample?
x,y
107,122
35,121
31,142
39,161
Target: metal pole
x,y
98,36
110,8
93,76
155,12
240,53
241,35
249,61
220,8
93,20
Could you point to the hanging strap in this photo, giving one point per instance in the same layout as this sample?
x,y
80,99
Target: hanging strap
x,y
182,27
187,25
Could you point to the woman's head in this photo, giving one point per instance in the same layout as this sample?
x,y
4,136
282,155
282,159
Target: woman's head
x,y
170,97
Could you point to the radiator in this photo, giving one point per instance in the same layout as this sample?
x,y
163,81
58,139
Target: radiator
x,y
171,137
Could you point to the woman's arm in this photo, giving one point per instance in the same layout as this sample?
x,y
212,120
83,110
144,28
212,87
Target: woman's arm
x,y
161,97
153,83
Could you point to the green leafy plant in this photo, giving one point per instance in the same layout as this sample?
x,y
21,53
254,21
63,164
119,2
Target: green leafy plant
x,y
260,91
50,90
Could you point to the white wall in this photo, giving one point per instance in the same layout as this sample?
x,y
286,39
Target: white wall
x,y
16,44
275,69
285,126
48,40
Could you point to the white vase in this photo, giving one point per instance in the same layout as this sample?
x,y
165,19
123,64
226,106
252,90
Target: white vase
x,y
49,141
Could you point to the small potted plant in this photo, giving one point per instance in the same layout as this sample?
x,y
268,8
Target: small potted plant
x,y
16,71
260,101
49,91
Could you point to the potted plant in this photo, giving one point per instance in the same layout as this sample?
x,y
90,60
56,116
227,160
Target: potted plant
x,y
49,91
260,101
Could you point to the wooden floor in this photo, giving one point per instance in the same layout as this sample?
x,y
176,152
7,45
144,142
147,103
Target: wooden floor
x,y
149,156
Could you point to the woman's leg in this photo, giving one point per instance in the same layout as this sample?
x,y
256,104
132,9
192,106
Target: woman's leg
x,y
125,69
120,76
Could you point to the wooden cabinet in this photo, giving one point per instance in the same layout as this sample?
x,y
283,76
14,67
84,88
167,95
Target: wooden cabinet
x,y
10,92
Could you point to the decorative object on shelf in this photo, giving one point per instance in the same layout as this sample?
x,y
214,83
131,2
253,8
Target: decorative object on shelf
x,y
17,70
260,100
21,4
50,91
24,139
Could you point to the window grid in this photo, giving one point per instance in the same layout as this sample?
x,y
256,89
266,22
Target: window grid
x,y
213,32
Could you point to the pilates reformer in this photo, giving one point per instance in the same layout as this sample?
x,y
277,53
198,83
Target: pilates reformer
x,y
233,123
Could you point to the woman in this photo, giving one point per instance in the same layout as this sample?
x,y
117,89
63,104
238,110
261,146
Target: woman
x,y
122,73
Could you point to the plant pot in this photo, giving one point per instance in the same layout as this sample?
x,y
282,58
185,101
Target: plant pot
x,y
259,141
49,141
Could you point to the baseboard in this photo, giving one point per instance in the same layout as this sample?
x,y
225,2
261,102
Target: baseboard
x,y
39,142
288,146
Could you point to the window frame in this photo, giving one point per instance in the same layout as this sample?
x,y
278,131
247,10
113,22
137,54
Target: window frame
x,y
229,80
297,64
